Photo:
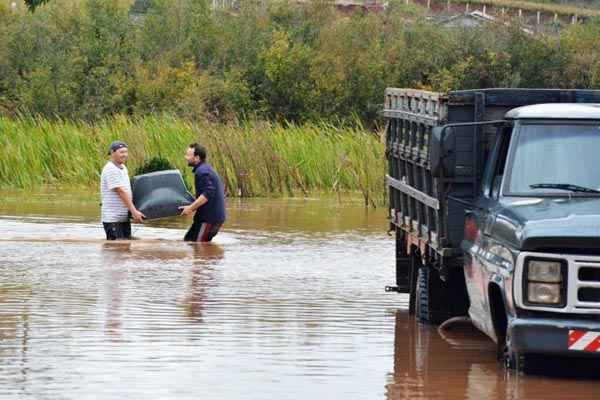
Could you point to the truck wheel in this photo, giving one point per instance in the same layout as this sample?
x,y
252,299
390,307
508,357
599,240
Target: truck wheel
x,y
512,359
414,267
430,296
436,301
422,295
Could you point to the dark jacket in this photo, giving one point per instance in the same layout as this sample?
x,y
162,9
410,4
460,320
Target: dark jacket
x,y
209,184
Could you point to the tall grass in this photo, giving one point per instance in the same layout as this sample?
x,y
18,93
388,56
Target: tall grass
x,y
254,159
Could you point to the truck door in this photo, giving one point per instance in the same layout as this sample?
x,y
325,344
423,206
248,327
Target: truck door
x,y
479,223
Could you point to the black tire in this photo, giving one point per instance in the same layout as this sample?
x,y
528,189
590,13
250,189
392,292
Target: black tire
x,y
510,359
414,267
430,297
437,301
513,360
422,295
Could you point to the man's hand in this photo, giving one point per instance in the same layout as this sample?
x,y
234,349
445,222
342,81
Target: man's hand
x,y
186,210
137,216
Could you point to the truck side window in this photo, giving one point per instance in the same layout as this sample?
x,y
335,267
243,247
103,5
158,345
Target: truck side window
x,y
501,162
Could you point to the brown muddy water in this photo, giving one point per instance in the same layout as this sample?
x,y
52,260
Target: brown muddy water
x,y
287,303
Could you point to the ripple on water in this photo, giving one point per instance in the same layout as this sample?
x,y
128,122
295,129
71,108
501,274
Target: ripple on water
x,y
258,314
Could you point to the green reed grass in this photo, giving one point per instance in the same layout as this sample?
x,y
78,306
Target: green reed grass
x,y
254,159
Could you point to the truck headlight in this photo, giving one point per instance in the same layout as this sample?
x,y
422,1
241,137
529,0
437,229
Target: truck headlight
x,y
545,281
544,293
544,271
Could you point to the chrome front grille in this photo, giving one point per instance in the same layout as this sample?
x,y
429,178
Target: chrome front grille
x,y
585,293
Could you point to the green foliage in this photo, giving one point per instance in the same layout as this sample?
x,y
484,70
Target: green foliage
x,y
287,87
280,61
33,4
154,164
255,159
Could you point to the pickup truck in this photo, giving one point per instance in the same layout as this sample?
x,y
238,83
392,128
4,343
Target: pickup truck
x,y
494,198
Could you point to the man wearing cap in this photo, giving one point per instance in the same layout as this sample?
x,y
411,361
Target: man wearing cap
x,y
115,190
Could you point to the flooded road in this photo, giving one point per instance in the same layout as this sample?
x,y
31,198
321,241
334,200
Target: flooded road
x,y
286,303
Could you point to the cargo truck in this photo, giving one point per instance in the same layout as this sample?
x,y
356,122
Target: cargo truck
x,y
494,199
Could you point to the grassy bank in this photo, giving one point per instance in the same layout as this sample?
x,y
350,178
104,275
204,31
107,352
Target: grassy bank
x,y
256,159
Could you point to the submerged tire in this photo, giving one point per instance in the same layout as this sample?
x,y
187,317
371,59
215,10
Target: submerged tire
x,y
422,295
513,360
414,267
429,294
437,301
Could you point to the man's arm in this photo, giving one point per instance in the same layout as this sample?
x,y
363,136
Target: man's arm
x,y
208,191
137,216
199,202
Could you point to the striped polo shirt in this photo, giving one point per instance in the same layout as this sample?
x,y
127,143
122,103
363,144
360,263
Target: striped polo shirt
x,y
113,208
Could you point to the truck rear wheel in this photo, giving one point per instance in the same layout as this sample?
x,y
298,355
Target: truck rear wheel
x,y
435,300
422,295
429,297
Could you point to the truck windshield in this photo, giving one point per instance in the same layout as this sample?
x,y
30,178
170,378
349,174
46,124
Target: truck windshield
x,y
556,159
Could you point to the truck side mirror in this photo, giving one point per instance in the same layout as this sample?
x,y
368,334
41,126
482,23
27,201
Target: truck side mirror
x,y
442,152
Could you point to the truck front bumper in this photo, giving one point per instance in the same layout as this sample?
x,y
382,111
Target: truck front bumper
x,y
555,336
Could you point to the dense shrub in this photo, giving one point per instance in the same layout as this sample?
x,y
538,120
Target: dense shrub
x,y
153,165
88,59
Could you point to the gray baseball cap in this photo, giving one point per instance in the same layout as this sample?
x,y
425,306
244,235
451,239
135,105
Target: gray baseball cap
x,y
116,145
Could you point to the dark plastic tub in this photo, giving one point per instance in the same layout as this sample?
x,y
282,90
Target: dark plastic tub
x,y
160,194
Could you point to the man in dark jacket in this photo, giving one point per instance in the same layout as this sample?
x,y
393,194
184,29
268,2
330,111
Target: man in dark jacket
x,y
210,197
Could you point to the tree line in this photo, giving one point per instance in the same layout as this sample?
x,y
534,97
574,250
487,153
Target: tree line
x,y
89,59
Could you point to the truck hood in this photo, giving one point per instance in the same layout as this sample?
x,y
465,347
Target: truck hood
x,y
550,224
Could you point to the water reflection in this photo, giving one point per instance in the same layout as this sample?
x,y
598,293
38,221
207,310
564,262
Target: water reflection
x,y
461,364
112,255
14,332
427,367
123,260
206,256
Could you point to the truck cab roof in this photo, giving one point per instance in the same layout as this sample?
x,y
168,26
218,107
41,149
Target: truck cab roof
x,y
556,111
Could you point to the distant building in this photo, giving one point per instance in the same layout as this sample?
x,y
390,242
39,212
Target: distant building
x,y
470,20
474,19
